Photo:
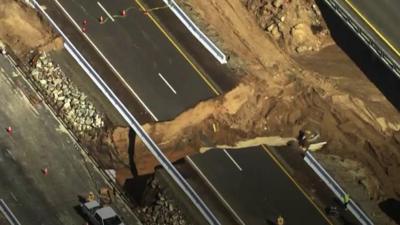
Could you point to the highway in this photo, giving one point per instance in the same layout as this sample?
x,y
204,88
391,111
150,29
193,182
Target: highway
x,y
255,187
143,56
39,140
375,23
155,70
382,17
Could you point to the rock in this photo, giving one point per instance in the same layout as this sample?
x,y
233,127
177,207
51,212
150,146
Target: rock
x,y
43,82
83,97
35,74
170,207
98,121
88,121
67,106
39,64
300,32
277,3
275,33
91,112
71,115
57,81
301,49
316,9
61,98
270,27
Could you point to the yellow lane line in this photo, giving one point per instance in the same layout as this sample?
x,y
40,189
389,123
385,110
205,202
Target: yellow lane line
x,y
295,183
209,83
372,27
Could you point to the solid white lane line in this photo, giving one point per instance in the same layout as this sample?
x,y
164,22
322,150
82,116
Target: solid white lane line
x,y
106,60
231,158
166,82
107,13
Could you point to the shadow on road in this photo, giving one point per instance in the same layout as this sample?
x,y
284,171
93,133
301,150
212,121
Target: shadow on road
x,y
135,187
392,208
375,70
131,152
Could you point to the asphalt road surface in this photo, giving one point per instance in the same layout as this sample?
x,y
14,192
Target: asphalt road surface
x,y
142,55
39,141
256,188
382,17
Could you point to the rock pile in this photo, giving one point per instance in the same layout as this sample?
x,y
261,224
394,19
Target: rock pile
x,y
71,104
162,211
295,24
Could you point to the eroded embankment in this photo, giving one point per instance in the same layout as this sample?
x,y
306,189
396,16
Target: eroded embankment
x,y
278,96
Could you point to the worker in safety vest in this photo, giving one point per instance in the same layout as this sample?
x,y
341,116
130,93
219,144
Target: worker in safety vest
x,y
346,200
90,197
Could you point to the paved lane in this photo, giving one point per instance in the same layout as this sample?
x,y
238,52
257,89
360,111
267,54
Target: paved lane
x,y
39,140
256,188
146,59
382,17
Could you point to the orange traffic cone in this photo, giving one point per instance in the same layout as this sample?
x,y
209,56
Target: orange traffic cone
x,y
84,29
45,171
84,22
9,130
123,12
101,19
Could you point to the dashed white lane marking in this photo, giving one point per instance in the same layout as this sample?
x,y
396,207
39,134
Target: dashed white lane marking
x,y
166,82
13,196
231,158
107,13
107,61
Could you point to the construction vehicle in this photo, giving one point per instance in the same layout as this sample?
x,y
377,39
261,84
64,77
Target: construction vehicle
x,y
100,215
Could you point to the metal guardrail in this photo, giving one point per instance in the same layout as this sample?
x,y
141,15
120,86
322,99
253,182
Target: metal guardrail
x,y
337,190
210,46
134,124
8,214
364,35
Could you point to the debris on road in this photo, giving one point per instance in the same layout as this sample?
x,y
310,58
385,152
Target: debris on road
x,y
72,105
159,208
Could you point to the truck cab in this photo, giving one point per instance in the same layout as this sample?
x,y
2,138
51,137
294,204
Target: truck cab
x,y
99,215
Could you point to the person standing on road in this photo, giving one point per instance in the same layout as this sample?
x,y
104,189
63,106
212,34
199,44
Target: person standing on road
x,y
346,200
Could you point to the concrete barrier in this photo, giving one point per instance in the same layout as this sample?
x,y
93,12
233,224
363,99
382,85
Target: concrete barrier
x,y
134,124
204,40
337,190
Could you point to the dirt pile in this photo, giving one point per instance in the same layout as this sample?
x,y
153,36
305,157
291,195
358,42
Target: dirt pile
x,y
295,25
281,107
23,30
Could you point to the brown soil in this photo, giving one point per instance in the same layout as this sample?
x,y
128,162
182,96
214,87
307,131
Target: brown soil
x,y
284,91
23,30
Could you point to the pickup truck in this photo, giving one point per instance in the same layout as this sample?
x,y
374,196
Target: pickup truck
x,y
99,215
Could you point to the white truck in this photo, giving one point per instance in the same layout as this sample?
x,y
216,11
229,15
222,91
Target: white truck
x,y
99,215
